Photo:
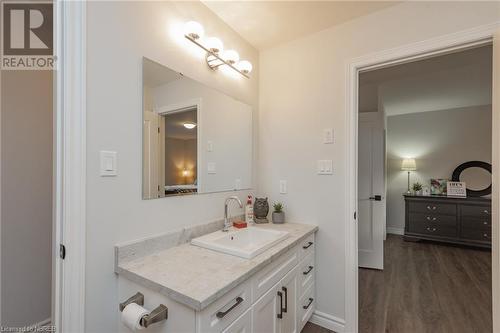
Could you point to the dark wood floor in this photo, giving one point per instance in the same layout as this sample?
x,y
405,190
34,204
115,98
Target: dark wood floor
x,y
312,328
426,287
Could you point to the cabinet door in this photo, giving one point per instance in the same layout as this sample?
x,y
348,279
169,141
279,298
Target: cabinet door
x,y
288,287
266,310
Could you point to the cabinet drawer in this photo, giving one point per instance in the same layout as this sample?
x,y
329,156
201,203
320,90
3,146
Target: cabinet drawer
x,y
476,223
476,234
432,207
306,273
430,218
241,325
305,307
433,229
272,273
220,314
476,211
306,246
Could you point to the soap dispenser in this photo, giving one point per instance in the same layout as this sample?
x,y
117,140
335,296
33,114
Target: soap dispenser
x,y
249,210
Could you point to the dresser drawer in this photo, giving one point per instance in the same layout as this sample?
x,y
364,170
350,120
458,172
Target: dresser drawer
x,y
432,207
433,219
305,307
476,211
476,234
476,223
433,229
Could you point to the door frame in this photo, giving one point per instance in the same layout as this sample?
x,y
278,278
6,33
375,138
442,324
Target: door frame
x,y
68,309
454,42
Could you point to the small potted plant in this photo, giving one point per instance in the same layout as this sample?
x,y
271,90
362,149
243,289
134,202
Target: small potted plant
x,y
278,213
417,188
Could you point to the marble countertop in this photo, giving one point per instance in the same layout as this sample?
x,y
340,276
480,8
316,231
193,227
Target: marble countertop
x,y
195,276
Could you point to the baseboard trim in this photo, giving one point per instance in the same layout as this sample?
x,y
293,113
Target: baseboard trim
x,y
395,230
328,321
42,323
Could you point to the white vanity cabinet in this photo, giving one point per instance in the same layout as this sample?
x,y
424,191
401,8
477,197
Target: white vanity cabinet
x,y
279,298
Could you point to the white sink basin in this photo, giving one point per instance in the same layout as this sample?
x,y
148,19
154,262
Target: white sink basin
x,y
244,243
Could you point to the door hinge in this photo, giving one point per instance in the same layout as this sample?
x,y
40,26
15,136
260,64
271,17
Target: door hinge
x,y
355,215
62,251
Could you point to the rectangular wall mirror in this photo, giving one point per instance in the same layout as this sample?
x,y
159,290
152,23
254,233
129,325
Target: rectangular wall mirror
x,y
195,138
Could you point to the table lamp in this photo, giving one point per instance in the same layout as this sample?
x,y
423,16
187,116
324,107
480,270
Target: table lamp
x,y
409,164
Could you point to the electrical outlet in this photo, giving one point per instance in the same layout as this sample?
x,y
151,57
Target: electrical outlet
x,y
328,135
325,167
282,186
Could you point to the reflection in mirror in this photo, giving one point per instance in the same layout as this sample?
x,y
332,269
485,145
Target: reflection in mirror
x,y
195,139
476,179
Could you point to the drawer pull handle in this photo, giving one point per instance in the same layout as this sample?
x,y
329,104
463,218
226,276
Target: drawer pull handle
x,y
308,245
485,222
280,315
486,211
221,314
431,219
431,229
309,269
486,236
285,309
305,307
431,208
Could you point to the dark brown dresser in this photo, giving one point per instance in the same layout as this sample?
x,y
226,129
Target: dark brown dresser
x,y
465,221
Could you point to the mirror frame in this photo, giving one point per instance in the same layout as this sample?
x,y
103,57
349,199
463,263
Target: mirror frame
x,y
472,164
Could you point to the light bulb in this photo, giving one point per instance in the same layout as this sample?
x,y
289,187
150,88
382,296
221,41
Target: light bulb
x,y
193,29
189,125
231,56
244,66
214,44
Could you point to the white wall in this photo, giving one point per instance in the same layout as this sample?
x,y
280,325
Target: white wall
x,y
119,34
26,192
439,141
302,90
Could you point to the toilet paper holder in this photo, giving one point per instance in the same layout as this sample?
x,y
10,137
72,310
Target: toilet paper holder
x,y
158,314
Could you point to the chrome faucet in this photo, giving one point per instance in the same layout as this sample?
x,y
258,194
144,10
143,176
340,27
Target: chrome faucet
x,y
227,223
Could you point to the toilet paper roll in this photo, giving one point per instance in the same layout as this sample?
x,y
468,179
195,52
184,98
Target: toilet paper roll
x,y
131,316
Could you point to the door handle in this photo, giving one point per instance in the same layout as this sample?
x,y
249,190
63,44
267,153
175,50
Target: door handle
x,y
376,198
280,315
285,309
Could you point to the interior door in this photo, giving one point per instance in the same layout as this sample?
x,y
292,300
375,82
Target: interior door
x,y
371,200
150,184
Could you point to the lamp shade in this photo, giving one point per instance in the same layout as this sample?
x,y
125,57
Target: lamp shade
x,y
409,164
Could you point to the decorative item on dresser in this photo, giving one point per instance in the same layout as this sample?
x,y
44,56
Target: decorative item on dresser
x,y
465,221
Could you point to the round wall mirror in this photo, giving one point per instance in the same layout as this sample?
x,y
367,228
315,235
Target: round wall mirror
x,y
477,177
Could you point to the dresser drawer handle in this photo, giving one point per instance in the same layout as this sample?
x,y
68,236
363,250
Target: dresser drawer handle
x,y
485,222
486,236
431,219
486,212
431,208
305,307
431,229
221,314
308,245
309,269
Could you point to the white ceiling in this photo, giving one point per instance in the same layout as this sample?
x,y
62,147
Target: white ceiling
x,y
265,24
174,125
451,81
155,74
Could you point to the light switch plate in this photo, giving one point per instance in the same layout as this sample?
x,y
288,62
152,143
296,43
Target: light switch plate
x,y
210,146
283,188
211,168
325,167
328,135
108,164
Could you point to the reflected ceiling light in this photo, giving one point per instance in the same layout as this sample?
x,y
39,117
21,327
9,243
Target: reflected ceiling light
x,y
214,44
244,66
214,47
189,125
194,30
231,56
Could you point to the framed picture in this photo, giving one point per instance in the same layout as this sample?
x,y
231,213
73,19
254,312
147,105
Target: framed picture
x,y
456,189
438,186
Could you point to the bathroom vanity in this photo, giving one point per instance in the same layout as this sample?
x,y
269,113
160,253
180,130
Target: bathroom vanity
x,y
211,291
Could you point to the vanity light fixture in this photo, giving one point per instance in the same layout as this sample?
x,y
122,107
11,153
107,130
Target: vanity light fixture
x,y
216,56
189,125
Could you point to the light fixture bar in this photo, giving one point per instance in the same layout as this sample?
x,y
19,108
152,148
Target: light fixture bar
x,y
210,53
